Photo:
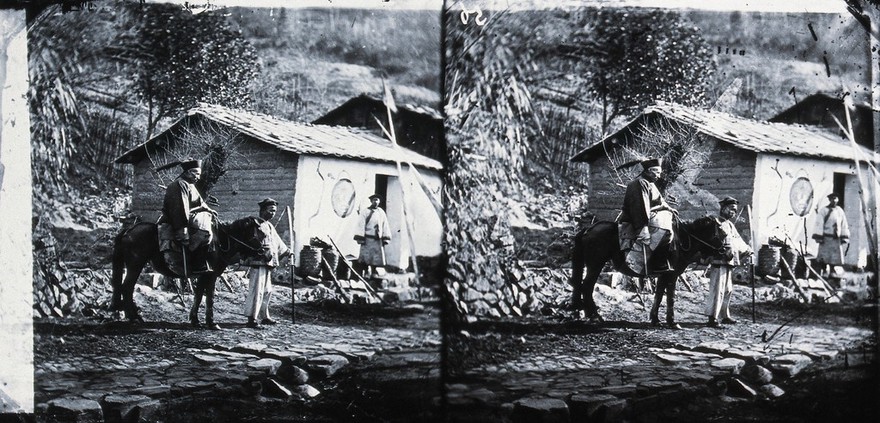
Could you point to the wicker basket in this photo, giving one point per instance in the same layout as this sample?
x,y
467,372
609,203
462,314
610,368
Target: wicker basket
x,y
309,262
768,260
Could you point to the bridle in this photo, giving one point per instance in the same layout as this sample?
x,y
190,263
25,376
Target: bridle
x,y
228,235
691,236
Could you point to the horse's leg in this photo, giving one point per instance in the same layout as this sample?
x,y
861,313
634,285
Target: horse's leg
x,y
670,279
658,298
118,259
590,307
209,283
198,292
131,309
577,275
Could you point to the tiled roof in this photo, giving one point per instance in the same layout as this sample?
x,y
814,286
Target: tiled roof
x,y
748,134
299,138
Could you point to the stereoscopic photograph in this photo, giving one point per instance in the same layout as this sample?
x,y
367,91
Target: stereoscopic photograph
x,y
661,211
236,210
425,210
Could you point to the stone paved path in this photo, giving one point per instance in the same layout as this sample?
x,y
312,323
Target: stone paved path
x,y
283,362
618,385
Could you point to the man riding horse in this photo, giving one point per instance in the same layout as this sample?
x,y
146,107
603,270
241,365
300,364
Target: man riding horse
x,y
186,224
645,223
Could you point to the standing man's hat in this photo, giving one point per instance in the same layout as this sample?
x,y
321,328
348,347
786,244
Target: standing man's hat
x,y
833,195
726,201
267,202
190,164
375,196
652,163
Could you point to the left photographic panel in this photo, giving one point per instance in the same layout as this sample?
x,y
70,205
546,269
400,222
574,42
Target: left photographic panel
x,y
236,210
16,354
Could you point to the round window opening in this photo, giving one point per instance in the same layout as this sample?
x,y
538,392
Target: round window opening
x,y
343,197
801,196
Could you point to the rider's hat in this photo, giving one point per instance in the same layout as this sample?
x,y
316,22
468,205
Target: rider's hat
x,y
190,164
267,202
726,201
657,162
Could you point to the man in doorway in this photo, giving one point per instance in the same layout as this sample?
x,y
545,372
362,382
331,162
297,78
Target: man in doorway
x,y
375,236
187,221
734,251
832,232
256,306
646,223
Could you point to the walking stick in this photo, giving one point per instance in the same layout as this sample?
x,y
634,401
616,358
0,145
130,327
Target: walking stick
x,y
290,260
752,261
185,277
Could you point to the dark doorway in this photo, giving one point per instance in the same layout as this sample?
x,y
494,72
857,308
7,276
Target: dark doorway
x,y
381,189
840,187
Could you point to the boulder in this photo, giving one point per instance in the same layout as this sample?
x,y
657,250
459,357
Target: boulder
x,y
789,365
119,407
593,408
540,410
756,374
327,365
268,365
306,391
733,365
74,410
771,390
292,374
739,389
274,389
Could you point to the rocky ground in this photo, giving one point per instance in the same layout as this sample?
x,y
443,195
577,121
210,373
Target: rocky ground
x,y
335,363
797,362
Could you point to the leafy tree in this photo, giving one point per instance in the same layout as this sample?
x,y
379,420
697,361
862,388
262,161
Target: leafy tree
x,y
183,59
637,56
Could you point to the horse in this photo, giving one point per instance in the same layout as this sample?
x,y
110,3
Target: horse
x,y
138,245
597,244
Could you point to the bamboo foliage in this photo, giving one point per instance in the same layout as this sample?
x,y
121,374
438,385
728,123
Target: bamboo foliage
x,y
488,122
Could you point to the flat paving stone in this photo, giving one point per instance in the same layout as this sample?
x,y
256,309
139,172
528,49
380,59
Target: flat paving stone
x,y
267,365
540,410
732,365
77,410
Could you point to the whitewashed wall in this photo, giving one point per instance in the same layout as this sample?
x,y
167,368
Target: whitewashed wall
x,y
314,214
774,216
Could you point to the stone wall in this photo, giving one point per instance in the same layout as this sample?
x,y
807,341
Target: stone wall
x,y
63,288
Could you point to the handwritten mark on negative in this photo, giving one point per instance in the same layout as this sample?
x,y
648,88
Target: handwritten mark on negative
x,y
465,16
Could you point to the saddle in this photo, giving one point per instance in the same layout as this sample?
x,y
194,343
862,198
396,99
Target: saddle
x,y
201,241
648,251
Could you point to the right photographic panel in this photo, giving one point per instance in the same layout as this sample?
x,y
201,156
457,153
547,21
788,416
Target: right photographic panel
x,y
661,211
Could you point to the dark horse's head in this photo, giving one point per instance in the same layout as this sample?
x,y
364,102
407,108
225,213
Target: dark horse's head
x,y
240,237
703,235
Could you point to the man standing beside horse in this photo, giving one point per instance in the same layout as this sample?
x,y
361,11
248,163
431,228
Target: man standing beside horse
x,y
273,249
185,227
721,276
